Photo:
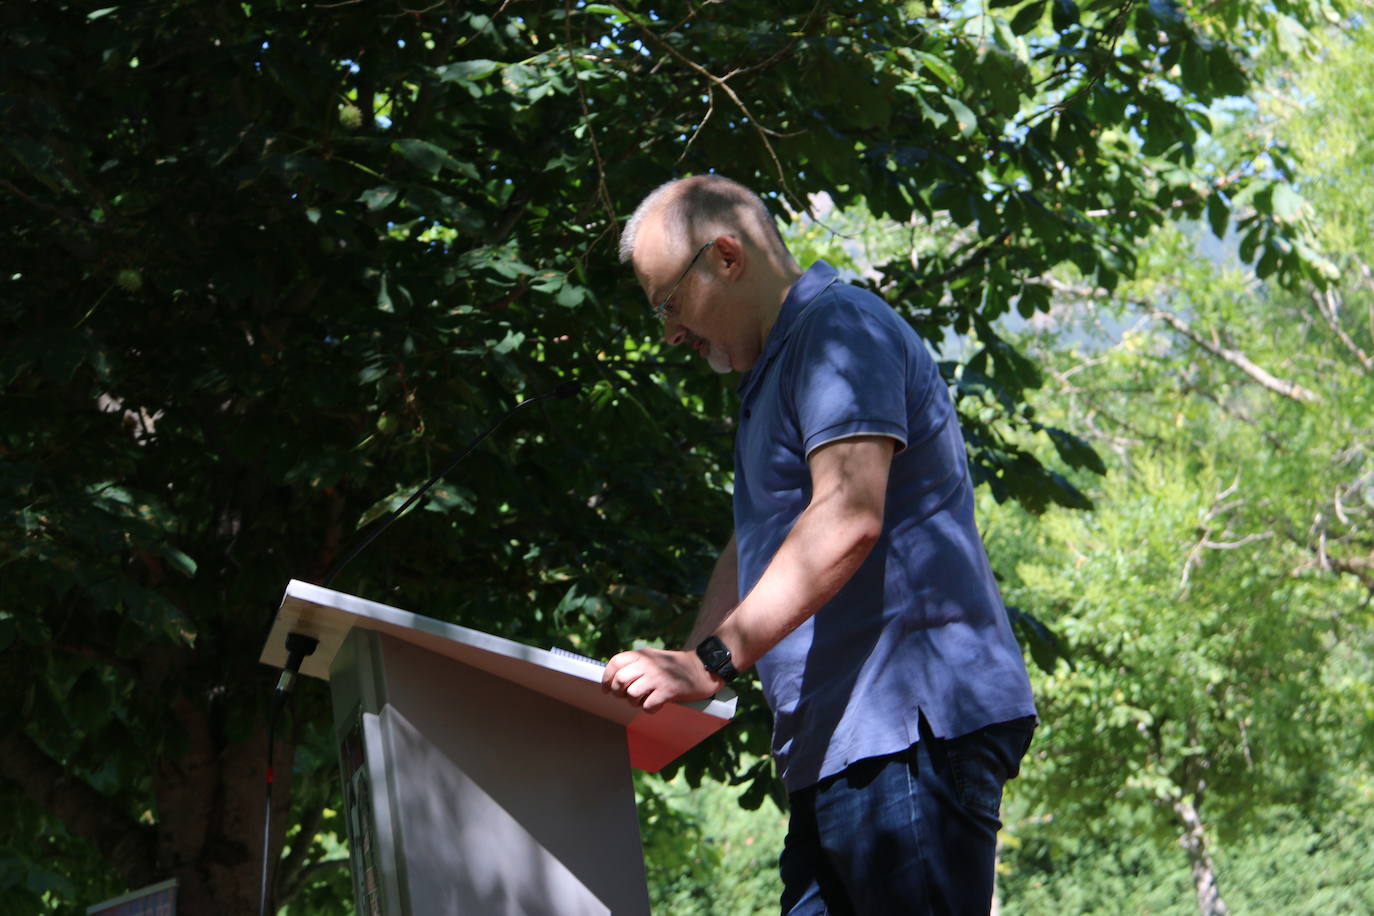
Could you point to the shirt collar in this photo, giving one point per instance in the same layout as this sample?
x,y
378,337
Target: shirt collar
x,y
817,279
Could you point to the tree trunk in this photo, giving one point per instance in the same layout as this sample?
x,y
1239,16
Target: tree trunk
x,y
210,808
1194,843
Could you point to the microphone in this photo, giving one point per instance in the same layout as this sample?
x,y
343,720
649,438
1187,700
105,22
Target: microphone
x,y
565,389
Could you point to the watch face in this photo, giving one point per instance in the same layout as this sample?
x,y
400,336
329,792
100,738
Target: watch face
x,y
713,653
717,655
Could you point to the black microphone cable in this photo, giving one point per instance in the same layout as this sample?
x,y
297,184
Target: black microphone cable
x,y
299,645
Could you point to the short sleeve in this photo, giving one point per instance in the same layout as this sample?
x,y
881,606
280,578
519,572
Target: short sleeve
x,y
847,372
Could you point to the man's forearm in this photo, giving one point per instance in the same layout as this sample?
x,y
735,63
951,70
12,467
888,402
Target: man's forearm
x,y
820,554
722,594
825,547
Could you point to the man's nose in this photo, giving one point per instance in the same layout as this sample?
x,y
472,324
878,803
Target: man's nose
x,y
674,333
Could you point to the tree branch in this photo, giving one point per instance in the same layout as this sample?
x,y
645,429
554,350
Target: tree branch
x,y
1239,360
602,191
973,260
292,872
1328,307
1361,568
724,84
306,875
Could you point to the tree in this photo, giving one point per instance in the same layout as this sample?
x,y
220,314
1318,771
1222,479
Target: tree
x,y
271,261
1216,604
1290,865
1203,685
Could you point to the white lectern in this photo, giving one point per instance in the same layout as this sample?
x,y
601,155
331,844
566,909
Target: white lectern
x,y
482,775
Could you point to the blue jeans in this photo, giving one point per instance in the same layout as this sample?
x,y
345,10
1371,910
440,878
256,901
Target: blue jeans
x,y
913,832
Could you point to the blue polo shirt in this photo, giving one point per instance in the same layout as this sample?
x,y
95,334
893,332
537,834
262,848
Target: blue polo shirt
x,y
920,628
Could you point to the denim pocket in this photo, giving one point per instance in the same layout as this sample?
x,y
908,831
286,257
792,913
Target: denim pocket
x,y
981,763
977,788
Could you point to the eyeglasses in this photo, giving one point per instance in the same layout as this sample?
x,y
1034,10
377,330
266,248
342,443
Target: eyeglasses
x,y
661,310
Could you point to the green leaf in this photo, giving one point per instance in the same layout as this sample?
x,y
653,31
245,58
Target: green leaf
x,y
937,119
511,341
1004,77
570,295
518,79
1286,202
467,70
967,120
1268,261
426,156
1195,72
384,302
940,67
1034,298
1076,452
154,613
1064,15
445,498
605,9
384,506
1168,12
1248,243
753,796
1066,494
1218,214
379,197
1028,17
180,561
1044,646
372,372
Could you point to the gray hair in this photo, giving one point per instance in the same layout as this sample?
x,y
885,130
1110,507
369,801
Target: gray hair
x,y
705,205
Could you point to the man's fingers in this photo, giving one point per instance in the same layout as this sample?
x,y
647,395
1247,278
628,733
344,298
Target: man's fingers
x,y
647,678
616,678
624,679
646,695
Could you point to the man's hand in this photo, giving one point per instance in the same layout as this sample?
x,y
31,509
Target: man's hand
x,y
653,677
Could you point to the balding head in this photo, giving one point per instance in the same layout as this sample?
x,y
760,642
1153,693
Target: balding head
x,y
712,264
687,212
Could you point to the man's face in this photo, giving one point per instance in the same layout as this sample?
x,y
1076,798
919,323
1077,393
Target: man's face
x,y
680,282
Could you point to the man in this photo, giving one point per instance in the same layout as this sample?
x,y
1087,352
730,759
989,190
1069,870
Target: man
x,y
855,580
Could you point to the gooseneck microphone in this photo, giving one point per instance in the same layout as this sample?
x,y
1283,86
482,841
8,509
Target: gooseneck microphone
x,y
565,389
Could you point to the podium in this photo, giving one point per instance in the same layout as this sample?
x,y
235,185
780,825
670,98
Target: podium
x,y
482,775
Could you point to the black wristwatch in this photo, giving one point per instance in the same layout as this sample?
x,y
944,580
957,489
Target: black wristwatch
x,y
717,659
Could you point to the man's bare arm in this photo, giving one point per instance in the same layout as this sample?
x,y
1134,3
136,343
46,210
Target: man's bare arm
x,y
825,547
722,594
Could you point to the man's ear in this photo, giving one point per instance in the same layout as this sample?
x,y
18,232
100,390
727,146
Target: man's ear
x,y
730,252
